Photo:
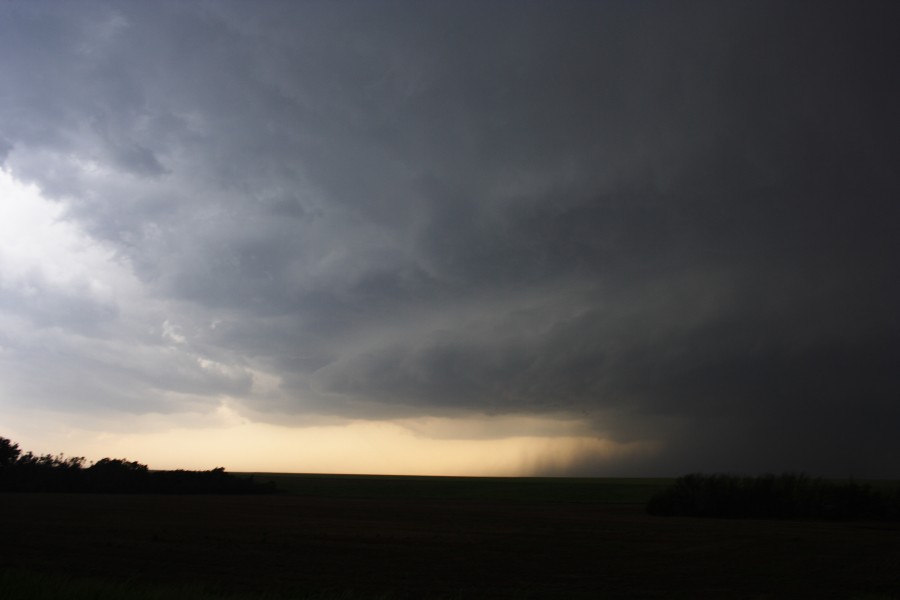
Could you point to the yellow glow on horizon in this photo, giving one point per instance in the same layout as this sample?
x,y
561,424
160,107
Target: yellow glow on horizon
x,y
362,447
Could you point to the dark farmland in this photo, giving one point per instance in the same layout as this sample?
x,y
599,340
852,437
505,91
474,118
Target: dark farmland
x,y
362,537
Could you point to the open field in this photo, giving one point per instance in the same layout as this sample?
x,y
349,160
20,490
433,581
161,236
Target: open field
x,y
507,489
345,537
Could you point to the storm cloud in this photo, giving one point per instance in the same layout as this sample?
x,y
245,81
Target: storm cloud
x,y
673,222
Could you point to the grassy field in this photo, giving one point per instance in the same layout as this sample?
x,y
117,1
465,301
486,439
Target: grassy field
x,y
348,537
507,489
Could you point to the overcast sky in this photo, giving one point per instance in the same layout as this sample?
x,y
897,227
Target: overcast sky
x,y
605,238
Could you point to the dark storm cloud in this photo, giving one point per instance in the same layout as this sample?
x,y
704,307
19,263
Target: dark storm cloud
x,y
676,220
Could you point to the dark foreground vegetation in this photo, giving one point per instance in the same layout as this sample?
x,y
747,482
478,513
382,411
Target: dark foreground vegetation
x,y
291,546
786,496
439,538
27,472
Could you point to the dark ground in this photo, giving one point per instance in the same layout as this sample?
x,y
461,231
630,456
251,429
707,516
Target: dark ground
x,y
427,547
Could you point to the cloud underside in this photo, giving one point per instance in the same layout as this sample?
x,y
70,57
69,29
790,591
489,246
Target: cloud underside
x,y
674,223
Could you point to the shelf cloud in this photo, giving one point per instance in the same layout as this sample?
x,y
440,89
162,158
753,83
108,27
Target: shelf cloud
x,y
669,225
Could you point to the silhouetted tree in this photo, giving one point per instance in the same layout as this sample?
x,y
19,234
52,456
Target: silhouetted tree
x,y
56,473
119,475
9,453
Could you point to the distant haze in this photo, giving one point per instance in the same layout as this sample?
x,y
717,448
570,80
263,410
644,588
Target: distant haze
x,y
453,237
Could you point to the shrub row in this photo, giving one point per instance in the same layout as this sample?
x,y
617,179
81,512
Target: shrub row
x,y
57,473
786,496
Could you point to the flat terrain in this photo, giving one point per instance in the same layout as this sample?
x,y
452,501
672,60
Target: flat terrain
x,y
559,541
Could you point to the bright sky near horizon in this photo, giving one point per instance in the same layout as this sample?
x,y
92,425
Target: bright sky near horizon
x,y
38,242
452,237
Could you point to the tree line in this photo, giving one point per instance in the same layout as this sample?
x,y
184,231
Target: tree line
x,y
28,472
785,496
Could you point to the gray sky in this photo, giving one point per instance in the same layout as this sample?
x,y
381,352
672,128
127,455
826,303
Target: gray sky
x,y
661,223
